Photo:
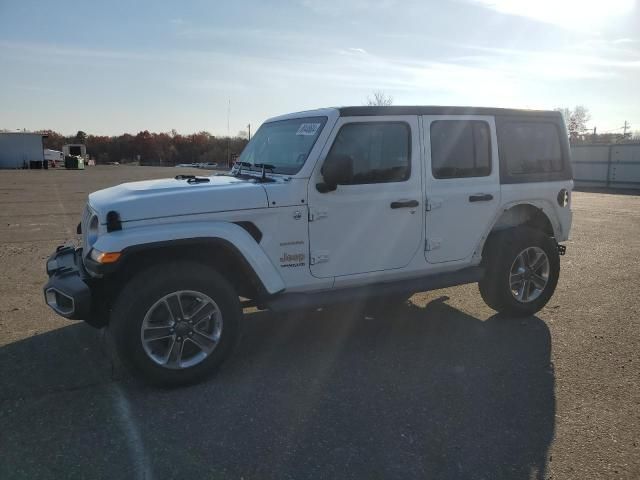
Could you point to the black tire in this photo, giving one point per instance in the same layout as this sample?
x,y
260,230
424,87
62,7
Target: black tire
x,y
151,285
499,255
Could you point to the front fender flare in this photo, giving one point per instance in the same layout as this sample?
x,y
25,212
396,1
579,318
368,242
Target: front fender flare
x,y
228,232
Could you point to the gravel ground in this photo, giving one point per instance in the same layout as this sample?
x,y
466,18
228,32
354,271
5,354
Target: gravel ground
x,y
439,388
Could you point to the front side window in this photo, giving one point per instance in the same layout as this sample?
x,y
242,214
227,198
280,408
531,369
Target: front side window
x,y
460,149
530,148
284,144
380,151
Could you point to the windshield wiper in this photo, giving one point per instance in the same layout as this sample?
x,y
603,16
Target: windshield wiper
x,y
240,165
265,167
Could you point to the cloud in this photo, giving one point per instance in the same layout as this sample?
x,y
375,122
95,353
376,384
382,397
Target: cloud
x,y
352,51
52,50
570,14
568,63
623,41
456,73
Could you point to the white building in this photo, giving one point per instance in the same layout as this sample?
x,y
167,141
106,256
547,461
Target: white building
x,y
18,149
75,149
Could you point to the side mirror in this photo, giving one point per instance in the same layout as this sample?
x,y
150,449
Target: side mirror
x,y
337,170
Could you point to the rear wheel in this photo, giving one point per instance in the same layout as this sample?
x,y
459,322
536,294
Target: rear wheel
x,y
175,324
522,266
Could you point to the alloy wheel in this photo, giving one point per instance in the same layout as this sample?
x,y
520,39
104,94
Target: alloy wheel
x,y
181,329
529,274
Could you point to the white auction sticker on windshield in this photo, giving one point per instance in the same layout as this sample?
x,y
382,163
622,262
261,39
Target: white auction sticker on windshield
x,y
308,129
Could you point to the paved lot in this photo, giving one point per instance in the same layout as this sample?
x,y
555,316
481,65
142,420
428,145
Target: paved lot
x,y
440,388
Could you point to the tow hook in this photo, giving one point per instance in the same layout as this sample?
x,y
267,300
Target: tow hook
x,y
562,249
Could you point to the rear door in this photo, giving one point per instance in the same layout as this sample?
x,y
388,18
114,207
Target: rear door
x,y
462,181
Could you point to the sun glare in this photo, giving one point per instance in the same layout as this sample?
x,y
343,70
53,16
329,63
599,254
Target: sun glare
x,y
578,14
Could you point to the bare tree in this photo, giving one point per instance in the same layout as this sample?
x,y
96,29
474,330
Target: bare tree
x,y
380,99
575,120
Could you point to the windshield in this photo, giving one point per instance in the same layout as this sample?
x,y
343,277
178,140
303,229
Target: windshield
x,y
284,144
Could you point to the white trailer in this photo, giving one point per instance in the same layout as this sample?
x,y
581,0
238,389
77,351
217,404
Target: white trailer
x,y
54,157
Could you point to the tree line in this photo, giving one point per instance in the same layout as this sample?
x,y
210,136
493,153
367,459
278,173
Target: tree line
x,y
171,148
580,131
149,148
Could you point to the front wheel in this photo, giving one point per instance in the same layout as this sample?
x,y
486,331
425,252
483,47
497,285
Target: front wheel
x,y
175,324
522,267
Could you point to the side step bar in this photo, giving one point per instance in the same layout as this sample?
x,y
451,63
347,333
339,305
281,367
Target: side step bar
x,y
285,302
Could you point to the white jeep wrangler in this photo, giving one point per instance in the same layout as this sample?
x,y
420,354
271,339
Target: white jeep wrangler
x,y
324,206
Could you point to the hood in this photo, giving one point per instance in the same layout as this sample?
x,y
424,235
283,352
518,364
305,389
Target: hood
x,y
170,197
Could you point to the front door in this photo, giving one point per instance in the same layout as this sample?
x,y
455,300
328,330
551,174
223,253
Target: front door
x,y
375,221
462,182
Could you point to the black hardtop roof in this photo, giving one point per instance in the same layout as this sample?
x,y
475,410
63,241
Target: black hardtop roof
x,y
439,110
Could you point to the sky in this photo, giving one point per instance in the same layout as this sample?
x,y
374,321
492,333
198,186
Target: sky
x,y
111,67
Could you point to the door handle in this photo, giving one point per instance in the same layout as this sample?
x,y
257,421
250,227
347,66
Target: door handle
x,y
405,204
482,197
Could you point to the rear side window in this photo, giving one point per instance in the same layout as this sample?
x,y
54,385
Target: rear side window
x,y
380,151
531,148
460,149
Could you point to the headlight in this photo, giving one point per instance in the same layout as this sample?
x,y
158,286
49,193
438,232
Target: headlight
x,y
92,230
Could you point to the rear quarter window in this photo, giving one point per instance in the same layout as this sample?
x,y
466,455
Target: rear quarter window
x,y
532,147
532,150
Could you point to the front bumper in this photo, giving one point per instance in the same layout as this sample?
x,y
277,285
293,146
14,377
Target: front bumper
x,y
67,291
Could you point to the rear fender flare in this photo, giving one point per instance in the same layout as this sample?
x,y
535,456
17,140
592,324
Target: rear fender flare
x,y
544,206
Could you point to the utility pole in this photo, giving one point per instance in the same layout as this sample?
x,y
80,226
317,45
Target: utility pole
x,y
228,135
625,127
249,128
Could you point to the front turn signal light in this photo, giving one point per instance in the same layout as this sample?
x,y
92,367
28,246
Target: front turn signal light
x,y
104,257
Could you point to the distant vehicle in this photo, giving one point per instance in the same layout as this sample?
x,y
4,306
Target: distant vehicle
x,y
209,165
187,165
54,157
323,207
114,163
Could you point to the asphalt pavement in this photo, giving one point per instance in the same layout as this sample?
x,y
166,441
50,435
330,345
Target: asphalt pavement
x,y
438,388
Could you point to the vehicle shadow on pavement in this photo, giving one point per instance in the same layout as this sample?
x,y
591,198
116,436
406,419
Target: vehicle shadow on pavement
x,y
412,392
409,392
68,358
